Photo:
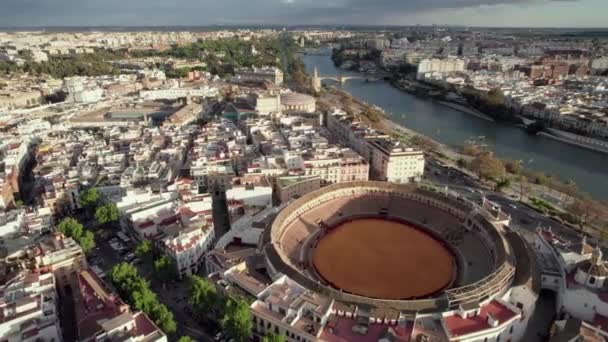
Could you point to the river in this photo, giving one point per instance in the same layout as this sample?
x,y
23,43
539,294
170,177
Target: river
x,y
586,168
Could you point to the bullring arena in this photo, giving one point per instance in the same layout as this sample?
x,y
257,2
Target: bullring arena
x,y
390,246
377,257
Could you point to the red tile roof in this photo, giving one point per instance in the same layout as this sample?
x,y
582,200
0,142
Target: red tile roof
x,y
94,305
340,330
458,326
145,224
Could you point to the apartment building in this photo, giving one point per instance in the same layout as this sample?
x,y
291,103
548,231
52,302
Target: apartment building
x,y
393,162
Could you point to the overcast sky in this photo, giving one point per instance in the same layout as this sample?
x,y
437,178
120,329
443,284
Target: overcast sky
x,y
543,13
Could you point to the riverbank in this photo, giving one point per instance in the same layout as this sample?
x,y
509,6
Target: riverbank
x,y
571,139
467,110
412,89
454,128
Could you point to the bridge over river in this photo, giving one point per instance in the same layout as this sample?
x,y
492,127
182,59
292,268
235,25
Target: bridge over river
x,y
341,79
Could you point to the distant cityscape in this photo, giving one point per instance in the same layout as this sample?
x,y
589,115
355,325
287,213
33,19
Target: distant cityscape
x,y
196,184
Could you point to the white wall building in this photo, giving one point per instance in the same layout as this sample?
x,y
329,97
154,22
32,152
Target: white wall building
x,y
250,195
395,163
176,93
447,65
29,308
187,246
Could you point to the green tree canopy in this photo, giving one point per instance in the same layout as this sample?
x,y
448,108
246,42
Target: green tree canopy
x,y
165,268
70,227
89,198
137,292
144,248
107,213
203,295
273,338
86,241
503,183
122,274
237,319
164,318
185,339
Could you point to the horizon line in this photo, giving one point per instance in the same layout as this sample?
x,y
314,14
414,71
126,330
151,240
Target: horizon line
x,y
246,25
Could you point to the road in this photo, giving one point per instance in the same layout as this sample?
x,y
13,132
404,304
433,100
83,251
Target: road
x,y
522,216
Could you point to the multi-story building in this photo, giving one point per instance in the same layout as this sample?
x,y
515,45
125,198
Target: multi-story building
x,y
289,187
187,245
267,104
28,306
60,255
336,167
285,308
263,74
20,99
393,162
176,93
447,65
351,133
294,103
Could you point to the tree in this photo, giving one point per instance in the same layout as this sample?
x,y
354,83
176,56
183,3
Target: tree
x,y
142,297
164,318
471,150
185,339
585,210
86,241
107,213
237,319
273,338
165,268
523,186
137,292
503,183
541,179
89,198
122,274
203,295
513,166
143,249
488,167
70,228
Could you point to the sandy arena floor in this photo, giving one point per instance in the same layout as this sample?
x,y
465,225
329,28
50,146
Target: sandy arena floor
x,y
383,259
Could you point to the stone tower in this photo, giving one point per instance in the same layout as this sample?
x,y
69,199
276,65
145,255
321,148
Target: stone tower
x,y
316,82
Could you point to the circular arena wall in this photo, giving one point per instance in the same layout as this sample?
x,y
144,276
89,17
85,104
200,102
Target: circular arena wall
x,y
292,240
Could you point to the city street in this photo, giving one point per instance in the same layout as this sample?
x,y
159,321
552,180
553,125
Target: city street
x,y
522,216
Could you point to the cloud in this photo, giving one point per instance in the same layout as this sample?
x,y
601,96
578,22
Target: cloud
x,y
30,13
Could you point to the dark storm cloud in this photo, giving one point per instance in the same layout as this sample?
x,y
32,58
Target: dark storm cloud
x,y
205,12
